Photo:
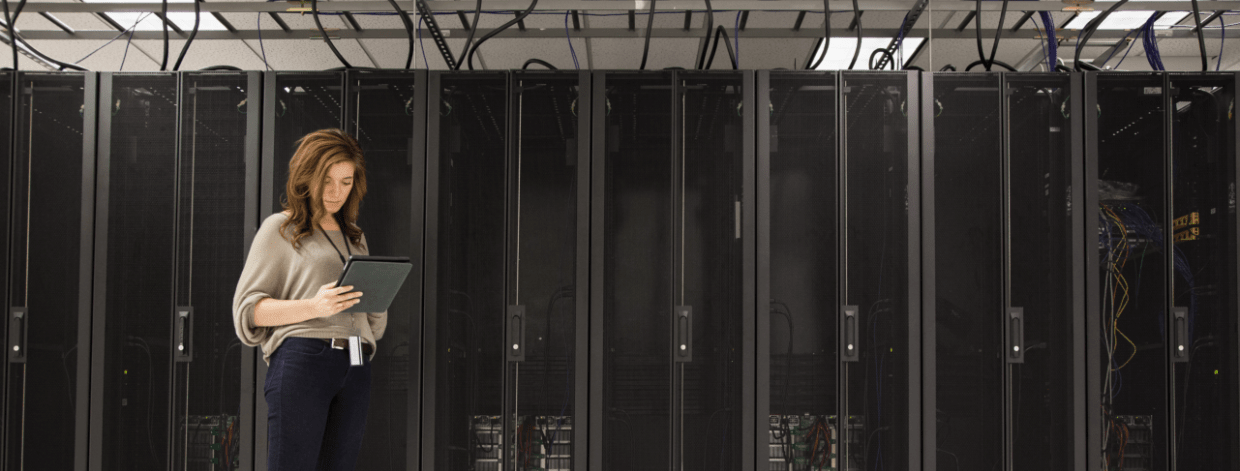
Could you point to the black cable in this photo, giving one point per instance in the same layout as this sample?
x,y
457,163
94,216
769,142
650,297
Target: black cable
x,y
164,17
472,29
314,11
826,40
998,34
720,30
197,18
982,62
1201,41
1089,31
12,31
948,67
470,58
409,30
13,37
220,67
649,24
539,62
710,25
856,18
885,53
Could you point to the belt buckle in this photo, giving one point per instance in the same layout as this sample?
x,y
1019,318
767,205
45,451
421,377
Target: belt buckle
x,y
338,346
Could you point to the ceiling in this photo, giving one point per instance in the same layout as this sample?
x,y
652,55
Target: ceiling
x,y
597,52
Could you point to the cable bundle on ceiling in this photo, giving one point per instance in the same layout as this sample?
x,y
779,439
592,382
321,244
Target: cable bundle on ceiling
x,y
1150,42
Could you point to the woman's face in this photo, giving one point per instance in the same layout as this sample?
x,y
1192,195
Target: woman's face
x,y
337,185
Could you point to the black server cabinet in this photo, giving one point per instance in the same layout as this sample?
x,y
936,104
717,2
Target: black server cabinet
x,y
175,152
48,277
672,271
294,104
1008,299
838,226
506,268
1161,166
386,114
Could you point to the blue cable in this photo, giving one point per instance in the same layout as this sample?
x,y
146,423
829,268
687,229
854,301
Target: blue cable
x,y
1051,43
570,49
260,40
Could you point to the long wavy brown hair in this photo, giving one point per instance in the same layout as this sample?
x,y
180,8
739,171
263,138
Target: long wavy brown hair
x,y
316,153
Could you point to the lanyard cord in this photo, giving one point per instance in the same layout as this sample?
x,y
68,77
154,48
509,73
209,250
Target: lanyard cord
x,y
346,246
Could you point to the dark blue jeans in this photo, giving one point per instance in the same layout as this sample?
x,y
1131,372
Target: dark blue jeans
x,y
316,407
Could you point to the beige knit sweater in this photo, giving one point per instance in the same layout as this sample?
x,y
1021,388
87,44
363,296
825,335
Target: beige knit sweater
x,y
274,269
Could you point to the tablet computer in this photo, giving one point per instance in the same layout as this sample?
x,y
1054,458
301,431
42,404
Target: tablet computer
x,y
378,278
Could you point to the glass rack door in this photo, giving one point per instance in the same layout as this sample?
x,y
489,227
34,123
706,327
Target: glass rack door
x,y
1204,236
135,277
49,288
466,247
545,303
798,355
384,110
218,158
1045,305
969,273
875,309
1129,327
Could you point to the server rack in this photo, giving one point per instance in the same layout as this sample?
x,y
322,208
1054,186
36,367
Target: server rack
x,y
838,270
506,259
1161,166
672,270
49,318
1008,309
172,210
294,103
386,113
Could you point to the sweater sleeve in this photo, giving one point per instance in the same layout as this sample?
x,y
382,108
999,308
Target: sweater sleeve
x,y
265,274
377,320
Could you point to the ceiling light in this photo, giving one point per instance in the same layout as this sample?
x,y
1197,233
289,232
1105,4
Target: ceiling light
x,y
151,22
1127,20
842,49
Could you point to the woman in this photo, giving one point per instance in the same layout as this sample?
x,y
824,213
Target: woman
x,y
287,302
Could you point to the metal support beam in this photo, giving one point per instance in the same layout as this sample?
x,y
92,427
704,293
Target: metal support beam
x,y
576,21
60,24
1209,19
688,20
1023,18
857,17
800,18
227,25
1106,55
751,33
968,18
464,20
618,5
352,21
520,21
744,19
171,25
280,22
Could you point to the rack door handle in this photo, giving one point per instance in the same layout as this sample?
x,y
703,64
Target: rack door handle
x,y
516,332
183,322
1179,329
1016,334
683,319
17,335
850,349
